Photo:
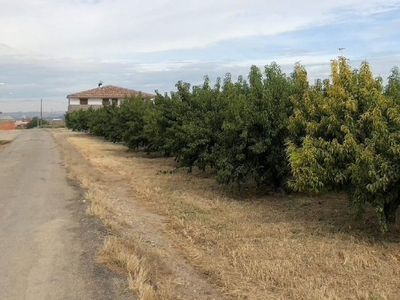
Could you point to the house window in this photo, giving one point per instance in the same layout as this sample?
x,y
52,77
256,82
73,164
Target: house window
x,y
83,101
106,101
115,101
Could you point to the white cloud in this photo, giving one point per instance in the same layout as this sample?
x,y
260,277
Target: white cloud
x,y
51,48
121,27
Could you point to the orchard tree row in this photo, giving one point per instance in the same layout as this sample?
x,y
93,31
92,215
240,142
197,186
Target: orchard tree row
x,y
341,133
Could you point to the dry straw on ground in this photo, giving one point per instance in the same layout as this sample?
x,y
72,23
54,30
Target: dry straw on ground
x,y
136,246
115,254
122,257
257,245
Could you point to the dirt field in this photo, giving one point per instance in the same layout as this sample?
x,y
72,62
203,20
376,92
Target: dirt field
x,y
182,236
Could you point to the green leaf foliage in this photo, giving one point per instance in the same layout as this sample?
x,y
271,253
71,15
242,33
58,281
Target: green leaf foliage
x,y
162,123
200,125
78,120
251,145
129,122
35,122
344,136
274,130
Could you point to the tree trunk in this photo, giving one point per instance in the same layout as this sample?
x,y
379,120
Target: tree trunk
x,y
390,210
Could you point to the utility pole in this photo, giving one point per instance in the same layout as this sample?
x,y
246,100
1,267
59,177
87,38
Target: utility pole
x,y
41,111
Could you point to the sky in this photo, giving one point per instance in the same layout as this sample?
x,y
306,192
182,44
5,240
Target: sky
x,y
52,48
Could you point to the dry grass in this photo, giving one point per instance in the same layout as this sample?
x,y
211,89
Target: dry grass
x,y
117,254
258,245
120,256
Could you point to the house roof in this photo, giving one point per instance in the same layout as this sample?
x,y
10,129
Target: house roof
x,y
4,118
108,91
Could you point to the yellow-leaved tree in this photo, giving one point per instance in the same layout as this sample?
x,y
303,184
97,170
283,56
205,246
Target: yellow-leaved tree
x,y
345,135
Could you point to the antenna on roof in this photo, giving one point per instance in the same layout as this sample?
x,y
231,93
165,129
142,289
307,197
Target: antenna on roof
x,y
100,83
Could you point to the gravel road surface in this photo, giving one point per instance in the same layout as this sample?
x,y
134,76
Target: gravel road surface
x,y
47,243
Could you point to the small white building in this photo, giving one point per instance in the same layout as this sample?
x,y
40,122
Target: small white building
x,y
101,96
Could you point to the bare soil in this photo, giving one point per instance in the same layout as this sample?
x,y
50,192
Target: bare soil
x,y
198,240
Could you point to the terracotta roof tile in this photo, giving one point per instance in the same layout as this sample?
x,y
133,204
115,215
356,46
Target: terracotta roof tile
x,y
108,91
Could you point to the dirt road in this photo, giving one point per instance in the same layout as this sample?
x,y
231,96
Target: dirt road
x,y
47,243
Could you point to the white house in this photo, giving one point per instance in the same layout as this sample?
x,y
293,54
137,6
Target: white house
x,y
101,96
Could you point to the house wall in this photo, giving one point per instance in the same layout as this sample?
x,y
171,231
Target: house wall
x,y
99,101
94,101
10,125
91,101
74,104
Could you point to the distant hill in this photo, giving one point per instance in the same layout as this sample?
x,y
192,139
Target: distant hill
x,y
46,115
